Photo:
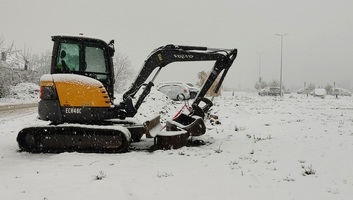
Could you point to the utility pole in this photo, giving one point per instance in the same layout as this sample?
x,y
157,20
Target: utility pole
x,y
280,80
259,53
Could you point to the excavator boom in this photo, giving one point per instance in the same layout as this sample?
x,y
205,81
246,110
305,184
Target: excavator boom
x,y
165,55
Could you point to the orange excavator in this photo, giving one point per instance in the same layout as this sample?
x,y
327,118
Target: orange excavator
x,y
77,97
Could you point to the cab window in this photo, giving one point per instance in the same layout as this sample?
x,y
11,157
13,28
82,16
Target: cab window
x,y
68,59
95,62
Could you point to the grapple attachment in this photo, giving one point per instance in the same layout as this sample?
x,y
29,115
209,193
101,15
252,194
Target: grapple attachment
x,y
177,131
194,125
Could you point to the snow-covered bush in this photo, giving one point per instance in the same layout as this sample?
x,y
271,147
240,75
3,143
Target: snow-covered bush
x,y
5,81
24,91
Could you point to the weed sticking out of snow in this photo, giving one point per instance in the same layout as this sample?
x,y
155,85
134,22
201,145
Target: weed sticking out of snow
x,y
218,150
164,174
100,176
308,170
289,178
258,139
270,161
234,165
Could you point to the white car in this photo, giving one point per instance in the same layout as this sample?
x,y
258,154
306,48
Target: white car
x,y
270,91
341,92
304,91
319,92
175,90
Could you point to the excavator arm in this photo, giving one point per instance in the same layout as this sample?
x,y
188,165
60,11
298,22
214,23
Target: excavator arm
x,y
165,55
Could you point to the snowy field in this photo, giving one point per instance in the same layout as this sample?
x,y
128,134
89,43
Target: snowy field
x,y
297,147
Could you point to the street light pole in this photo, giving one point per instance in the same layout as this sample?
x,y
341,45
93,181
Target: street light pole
x,y
259,53
280,80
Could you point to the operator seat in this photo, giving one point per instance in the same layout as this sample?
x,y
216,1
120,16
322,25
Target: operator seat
x,y
65,68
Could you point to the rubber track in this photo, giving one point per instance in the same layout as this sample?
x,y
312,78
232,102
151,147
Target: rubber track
x,y
57,139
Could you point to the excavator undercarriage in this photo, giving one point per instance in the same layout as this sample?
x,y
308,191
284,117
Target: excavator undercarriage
x,y
77,99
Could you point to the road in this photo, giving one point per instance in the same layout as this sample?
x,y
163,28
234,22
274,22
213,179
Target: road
x,y
10,113
17,106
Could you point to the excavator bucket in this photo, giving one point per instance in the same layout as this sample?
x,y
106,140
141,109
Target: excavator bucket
x,y
153,127
194,125
178,131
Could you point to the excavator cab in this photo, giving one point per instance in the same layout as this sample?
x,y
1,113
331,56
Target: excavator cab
x,y
84,56
80,86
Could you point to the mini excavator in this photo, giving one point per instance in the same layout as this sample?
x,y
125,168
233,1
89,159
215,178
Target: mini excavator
x,y
77,97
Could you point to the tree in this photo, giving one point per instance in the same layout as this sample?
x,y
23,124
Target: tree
x,y
1,46
274,83
202,76
260,85
328,88
18,66
38,65
6,74
311,87
123,71
5,81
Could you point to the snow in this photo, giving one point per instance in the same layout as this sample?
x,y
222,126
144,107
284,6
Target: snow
x,y
72,78
297,147
22,93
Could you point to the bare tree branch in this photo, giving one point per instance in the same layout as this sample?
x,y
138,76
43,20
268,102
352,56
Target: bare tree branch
x,y
123,71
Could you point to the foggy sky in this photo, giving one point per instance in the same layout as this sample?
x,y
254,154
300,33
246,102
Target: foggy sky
x,y
317,49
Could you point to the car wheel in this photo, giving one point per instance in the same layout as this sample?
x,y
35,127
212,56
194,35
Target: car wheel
x,y
193,95
180,97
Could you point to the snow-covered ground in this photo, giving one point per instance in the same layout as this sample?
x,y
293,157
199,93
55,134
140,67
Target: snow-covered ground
x,y
22,93
297,147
